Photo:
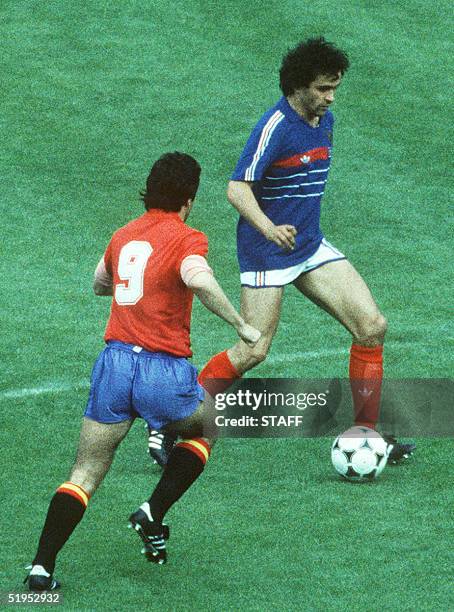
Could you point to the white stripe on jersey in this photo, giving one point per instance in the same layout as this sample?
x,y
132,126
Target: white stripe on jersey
x,y
312,171
297,185
307,195
265,136
280,178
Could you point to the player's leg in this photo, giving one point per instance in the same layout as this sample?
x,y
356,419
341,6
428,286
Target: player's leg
x,y
97,446
185,464
261,308
168,396
96,450
339,289
108,417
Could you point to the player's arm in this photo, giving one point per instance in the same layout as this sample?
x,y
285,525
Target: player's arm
x,y
198,276
241,196
103,282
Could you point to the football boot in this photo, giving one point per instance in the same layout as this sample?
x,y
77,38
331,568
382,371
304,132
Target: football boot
x,y
38,580
153,536
399,451
160,446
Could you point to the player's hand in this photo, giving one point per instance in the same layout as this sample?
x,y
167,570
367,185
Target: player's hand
x,y
248,334
282,235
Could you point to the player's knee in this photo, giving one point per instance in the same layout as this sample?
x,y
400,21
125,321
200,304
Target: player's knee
x,y
246,357
258,353
372,331
84,478
379,328
90,474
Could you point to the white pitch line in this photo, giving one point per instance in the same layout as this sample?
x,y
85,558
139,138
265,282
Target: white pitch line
x,y
43,389
305,355
64,387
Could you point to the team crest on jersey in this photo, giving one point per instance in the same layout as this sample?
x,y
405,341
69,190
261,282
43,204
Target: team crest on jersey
x,y
306,159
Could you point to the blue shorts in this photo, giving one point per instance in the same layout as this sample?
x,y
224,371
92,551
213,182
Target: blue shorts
x,y
128,382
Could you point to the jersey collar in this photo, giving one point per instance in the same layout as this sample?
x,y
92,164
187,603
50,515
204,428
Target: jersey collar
x,y
293,116
289,112
159,213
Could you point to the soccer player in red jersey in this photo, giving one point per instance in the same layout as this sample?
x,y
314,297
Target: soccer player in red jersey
x,y
152,267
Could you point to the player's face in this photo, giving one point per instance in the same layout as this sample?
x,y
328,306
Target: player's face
x,y
315,100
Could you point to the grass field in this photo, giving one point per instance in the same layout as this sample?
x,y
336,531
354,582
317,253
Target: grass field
x,y
93,92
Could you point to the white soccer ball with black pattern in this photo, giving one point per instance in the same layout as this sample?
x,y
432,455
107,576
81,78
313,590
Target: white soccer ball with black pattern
x,y
360,453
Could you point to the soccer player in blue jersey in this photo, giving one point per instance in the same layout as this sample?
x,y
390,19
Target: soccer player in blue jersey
x,y
277,188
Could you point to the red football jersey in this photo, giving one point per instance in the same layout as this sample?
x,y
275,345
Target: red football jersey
x,y
151,306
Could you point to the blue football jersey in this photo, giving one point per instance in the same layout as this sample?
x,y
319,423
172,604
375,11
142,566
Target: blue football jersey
x,y
288,162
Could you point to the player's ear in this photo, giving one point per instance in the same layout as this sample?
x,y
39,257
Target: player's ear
x,y
187,208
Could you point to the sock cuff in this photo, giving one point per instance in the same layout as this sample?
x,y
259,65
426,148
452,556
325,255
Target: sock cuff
x,y
219,366
369,354
197,446
228,366
76,491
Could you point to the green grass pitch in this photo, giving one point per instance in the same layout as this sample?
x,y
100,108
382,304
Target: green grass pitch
x,y
92,93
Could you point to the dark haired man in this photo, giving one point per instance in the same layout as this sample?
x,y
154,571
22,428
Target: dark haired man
x,y
277,188
152,267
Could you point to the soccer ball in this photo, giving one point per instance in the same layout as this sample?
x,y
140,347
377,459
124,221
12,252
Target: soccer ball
x,y
359,454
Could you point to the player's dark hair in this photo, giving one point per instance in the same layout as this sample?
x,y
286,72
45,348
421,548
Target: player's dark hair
x,y
173,180
311,58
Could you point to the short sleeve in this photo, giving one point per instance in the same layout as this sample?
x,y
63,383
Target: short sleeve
x,y
194,243
262,148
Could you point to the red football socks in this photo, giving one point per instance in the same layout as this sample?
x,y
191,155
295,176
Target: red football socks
x,y
218,374
366,375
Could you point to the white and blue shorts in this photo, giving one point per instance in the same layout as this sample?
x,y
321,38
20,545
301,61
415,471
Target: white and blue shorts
x,y
325,253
